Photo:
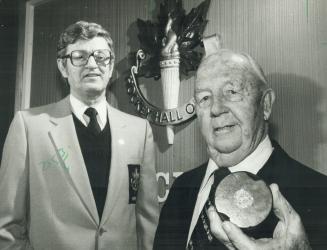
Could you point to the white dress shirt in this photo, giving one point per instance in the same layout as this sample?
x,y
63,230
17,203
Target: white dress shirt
x,y
78,108
252,163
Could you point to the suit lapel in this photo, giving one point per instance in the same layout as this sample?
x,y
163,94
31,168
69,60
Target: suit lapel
x,y
193,195
117,129
64,138
196,183
273,169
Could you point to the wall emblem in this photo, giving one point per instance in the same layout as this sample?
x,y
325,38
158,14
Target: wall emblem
x,y
169,47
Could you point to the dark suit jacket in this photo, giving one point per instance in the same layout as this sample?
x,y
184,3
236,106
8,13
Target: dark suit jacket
x,y
304,188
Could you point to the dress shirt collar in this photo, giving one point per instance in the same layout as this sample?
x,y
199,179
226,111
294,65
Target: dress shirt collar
x,y
255,161
78,108
252,163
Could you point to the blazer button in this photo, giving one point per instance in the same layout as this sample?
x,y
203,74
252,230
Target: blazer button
x,y
101,231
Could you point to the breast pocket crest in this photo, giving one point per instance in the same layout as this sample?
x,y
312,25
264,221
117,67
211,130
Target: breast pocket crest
x,y
134,181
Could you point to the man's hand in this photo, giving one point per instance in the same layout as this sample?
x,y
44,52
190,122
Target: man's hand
x,y
289,233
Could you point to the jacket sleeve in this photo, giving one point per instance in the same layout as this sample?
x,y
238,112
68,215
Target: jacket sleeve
x,y
176,213
14,188
168,235
147,206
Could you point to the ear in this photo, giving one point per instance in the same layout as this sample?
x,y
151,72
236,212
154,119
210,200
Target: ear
x,y
62,67
268,99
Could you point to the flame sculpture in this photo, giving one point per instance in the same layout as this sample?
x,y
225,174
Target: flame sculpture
x,y
169,69
172,42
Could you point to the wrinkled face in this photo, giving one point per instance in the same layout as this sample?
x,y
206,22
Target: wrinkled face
x,y
89,81
230,109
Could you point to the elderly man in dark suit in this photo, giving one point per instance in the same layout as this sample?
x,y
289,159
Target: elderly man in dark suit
x,y
233,105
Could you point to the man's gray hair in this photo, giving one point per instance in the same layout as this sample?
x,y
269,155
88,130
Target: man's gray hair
x,y
82,30
230,60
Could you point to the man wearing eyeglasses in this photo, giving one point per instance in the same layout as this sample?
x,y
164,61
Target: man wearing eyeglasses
x,y
79,174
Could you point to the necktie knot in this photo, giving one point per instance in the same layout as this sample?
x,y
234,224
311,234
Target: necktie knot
x,y
91,112
219,175
93,124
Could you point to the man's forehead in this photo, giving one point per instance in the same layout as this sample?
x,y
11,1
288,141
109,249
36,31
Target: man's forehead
x,y
222,61
218,81
221,71
224,64
89,44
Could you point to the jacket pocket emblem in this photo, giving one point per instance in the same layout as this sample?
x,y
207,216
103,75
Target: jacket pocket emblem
x,y
134,181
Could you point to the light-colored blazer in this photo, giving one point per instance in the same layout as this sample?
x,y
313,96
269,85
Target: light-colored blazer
x,y
46,201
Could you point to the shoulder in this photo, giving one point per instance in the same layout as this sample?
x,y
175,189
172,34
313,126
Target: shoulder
x,y
191,178
38,110
55,109
294,172
184,190
35,114
131,119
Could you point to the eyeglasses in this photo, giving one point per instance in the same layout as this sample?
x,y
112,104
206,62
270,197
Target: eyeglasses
x,y
80,58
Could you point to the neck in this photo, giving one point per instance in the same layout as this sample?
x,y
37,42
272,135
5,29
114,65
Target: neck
x,y
90,100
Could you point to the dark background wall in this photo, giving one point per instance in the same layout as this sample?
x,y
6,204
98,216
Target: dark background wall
x,y
8,57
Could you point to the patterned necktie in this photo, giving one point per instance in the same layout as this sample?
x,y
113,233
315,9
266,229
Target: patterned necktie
x,y
93,125
201,238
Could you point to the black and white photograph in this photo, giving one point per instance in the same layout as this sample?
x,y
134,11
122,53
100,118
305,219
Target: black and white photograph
x,y
163,124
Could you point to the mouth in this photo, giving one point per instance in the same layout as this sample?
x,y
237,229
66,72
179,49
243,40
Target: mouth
x,y
92,75
224,129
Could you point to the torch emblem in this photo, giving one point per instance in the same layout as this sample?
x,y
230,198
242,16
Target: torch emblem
x,y
169,48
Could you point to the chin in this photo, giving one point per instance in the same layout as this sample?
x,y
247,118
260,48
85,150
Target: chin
x,y
94,86
224,159
227,146
93,92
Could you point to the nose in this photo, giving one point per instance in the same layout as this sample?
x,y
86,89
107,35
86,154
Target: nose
x,y
91,63
218,107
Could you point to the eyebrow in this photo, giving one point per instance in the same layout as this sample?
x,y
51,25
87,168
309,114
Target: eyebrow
x,y
199,90
235,83
202,89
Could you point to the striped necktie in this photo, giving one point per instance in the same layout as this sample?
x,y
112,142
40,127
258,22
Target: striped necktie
x,y
201,238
